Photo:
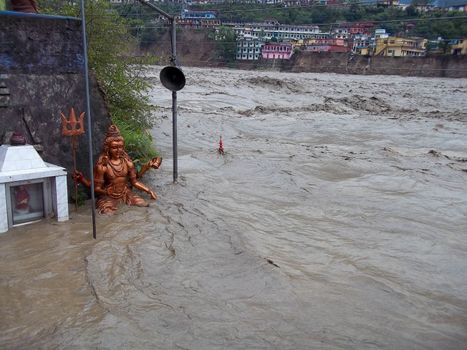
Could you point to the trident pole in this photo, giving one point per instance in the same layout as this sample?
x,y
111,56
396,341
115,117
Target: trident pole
x,y
88,112
173,61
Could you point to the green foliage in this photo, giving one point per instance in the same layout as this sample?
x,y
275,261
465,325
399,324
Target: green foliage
x,y
136,141
79,197
141,20
226,45
411,11
109,43
354,11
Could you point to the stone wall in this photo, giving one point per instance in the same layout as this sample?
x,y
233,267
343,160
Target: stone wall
x,y
436,66
325,62
41,75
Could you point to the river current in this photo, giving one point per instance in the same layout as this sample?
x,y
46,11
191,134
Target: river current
x,y
336,219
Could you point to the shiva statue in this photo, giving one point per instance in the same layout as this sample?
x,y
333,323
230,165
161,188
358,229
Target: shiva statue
x,y
115,175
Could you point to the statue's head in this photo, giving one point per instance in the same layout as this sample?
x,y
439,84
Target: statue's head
x,y
113,141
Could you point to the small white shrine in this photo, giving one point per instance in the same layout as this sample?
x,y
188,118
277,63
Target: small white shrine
x,y
30,189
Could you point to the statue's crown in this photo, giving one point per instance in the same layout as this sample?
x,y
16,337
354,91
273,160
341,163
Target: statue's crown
x,y
113,131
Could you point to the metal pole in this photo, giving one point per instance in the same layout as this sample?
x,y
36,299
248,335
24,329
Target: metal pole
x,y
174,104
174,93
174,134
88,112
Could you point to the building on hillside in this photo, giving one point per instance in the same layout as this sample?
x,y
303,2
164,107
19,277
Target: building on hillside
x,y
387,3
354,28
288,3
400,47
198,19
281,51
278,31
328,45
361,44
297,43
458,46
191,14
316,37
340,33
381,34
198,23
249,48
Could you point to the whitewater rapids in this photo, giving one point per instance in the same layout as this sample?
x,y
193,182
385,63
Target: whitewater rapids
x,y
336,219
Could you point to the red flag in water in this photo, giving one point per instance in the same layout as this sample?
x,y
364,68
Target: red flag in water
x,y
221,146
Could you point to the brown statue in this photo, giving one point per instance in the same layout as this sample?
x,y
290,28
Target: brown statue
x,y
115,174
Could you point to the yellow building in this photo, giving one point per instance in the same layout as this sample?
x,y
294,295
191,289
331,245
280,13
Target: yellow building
x,y
459,47
296,43
364,51
400,47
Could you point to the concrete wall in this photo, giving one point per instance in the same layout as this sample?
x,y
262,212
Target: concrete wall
x,y
41,75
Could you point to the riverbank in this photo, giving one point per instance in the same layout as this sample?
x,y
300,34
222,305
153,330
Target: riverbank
x,y
204,54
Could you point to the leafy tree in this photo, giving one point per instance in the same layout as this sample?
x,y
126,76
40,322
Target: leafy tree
x,y
226,43
411,11
109,43
353,11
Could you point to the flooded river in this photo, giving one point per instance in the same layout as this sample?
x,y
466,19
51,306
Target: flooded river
x,y
336,219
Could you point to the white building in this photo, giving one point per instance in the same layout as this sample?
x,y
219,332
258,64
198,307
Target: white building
x,y
249,48
268,31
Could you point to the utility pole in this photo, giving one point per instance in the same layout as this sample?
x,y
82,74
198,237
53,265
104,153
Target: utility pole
x,y
173,61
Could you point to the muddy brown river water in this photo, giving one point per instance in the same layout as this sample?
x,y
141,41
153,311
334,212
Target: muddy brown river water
x,y
337,219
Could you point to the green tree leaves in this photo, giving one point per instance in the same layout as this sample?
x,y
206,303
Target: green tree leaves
x,y
110,44
226,45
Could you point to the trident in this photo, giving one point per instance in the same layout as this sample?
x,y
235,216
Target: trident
x,y
73,127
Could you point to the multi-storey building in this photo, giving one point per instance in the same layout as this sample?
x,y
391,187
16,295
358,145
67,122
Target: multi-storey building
x,y
353,28
361,44
198,19
400,47
249,48
328,45
380,34
198,23
458,46
280,51
192,14
340,33
275,30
